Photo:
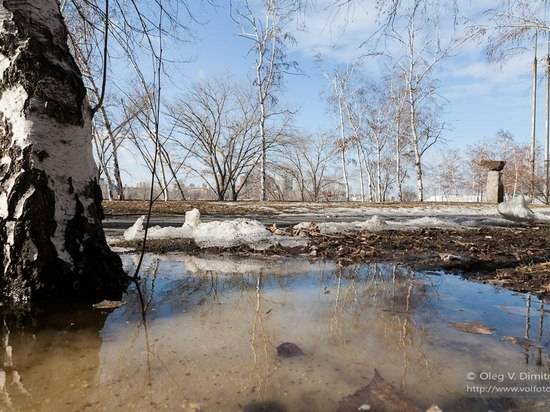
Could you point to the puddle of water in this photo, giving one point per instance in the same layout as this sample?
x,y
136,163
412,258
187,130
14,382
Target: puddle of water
x,y
212,327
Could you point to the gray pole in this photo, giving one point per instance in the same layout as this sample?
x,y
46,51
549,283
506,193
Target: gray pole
x,y
534,123
547,129
547,118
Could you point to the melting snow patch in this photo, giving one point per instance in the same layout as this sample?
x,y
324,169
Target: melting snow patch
x,y
373,224
222,234
230,233
132,232
428,222
193,217
376,223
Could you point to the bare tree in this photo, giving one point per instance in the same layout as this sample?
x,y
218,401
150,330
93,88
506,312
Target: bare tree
x,y
267,28
293,167
85,44
532,155
317,160
99,29
450,174
356,110
400,123
307,162
414,30
216,122
476,172
339,84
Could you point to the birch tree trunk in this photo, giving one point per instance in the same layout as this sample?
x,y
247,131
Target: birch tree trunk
x,y
343,148
53,244
379,175
398,160
361,171
263,90
416,143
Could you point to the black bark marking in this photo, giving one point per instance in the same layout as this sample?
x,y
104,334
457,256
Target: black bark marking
x,y
42,155
41,63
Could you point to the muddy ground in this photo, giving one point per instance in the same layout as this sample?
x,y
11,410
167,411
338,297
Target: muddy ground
x,y
516,258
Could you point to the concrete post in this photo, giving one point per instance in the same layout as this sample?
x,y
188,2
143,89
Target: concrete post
x,y
495,185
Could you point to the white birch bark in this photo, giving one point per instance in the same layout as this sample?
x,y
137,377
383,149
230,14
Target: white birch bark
x,y
340,93
50,202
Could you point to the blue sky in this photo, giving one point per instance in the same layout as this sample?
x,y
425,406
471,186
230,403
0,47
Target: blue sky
x,y
481,97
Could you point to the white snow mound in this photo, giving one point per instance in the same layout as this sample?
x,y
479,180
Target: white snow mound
x,y
133,231
222,234
193,217
230,233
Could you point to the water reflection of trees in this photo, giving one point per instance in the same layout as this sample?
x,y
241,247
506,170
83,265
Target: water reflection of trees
x,y
534,340
388,295
368,315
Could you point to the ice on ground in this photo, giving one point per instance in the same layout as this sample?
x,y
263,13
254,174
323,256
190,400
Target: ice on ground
x,y
222,234
118,249
376,223
394,212
183,232
391,211
427,222
373,224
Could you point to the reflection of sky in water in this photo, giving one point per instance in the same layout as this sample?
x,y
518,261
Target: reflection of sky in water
x,y
213,325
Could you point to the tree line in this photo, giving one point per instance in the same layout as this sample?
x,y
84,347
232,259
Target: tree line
x,y
238,138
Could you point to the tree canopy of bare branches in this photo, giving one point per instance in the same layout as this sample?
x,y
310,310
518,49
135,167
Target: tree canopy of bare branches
x,y
217,123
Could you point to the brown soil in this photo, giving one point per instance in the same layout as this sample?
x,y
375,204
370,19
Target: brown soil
x,y
516,258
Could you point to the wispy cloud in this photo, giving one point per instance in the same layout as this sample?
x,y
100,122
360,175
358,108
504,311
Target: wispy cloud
x,y
480,77
335,33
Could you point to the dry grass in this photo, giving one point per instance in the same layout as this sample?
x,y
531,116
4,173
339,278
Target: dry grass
x,y
257,208
537,269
